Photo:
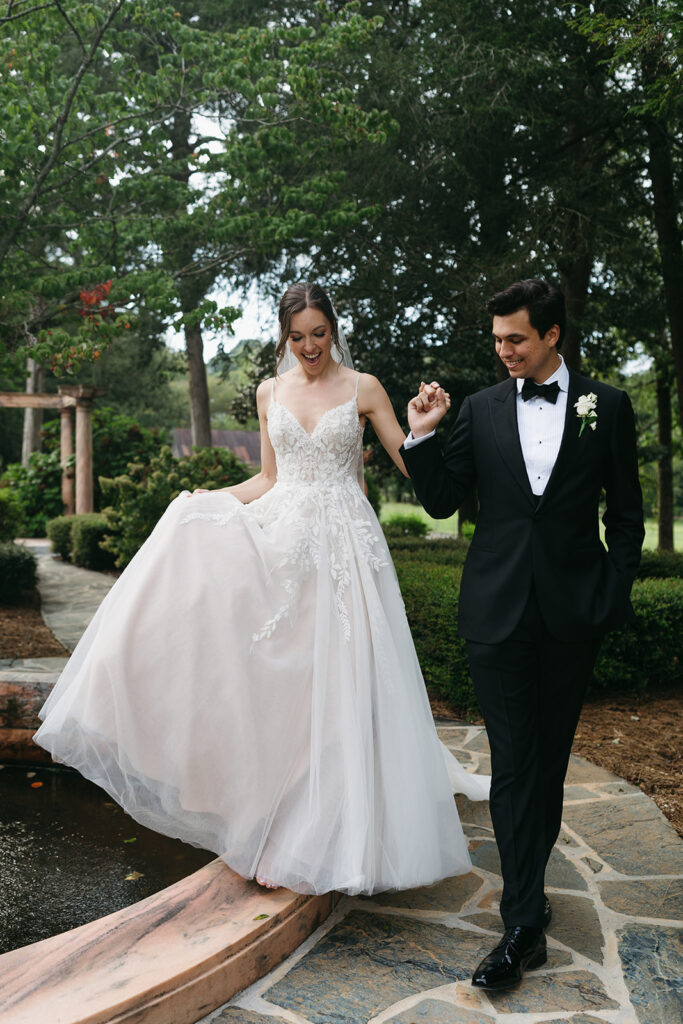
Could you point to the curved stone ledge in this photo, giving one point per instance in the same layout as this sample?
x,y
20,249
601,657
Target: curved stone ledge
x,y
174,956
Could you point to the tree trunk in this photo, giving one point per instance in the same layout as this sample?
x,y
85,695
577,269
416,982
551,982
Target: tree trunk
x,y
199,390
665,469
33,418
191,292
575,274
669,242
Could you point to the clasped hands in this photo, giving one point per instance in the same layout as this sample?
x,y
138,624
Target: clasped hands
x,y
428,408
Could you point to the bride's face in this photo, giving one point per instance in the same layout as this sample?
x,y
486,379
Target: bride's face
x,y
310,340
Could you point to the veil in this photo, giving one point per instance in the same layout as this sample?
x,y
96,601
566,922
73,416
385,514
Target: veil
x,y
341,353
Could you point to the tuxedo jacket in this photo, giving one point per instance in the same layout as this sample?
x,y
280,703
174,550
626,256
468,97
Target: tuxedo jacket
x,y
582,587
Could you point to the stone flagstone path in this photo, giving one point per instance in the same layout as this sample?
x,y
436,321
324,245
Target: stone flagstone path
x,y
615,881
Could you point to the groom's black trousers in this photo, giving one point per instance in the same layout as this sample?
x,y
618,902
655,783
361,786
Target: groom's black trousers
x,y
530,689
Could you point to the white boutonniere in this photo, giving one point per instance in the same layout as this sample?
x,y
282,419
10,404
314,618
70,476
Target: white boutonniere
x,y
585,410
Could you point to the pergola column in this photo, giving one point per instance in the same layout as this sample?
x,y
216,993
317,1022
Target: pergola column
x,y
84,475
66,442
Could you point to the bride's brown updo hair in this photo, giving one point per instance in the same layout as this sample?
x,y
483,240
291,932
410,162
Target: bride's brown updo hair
x,y
297,298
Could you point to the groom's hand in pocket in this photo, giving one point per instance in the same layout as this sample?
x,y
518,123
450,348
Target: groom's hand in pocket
x,y
428,408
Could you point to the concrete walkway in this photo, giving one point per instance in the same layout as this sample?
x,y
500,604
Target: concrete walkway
x,y
615,881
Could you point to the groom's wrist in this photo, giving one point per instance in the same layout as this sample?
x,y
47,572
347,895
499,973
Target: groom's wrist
x,y
413,439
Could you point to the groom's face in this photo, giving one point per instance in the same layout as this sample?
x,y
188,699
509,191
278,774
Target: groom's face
x,y
521,348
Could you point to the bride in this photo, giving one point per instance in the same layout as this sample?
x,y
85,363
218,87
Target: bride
x,y
250,684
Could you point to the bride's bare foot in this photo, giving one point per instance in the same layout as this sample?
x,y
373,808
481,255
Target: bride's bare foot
x,y
265,884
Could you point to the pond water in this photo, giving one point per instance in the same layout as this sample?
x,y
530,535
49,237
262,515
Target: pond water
x,y
68,855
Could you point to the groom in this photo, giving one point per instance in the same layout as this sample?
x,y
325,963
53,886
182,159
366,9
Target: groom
x,y
539,589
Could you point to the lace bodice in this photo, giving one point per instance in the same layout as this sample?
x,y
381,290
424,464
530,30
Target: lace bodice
x,y
316,513
329,455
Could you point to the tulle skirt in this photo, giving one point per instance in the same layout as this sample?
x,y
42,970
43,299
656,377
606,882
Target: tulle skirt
x,y
252,704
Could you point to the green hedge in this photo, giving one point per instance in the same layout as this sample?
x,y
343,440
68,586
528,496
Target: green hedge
x,y
78,538
410,526
10,515
441,551
430,594
59,533
18,571
87,533
635,658
660,565
651,653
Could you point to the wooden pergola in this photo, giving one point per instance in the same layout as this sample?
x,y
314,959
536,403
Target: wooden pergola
x,y
69,397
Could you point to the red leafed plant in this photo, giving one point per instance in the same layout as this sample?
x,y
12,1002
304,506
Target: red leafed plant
x,y
92,298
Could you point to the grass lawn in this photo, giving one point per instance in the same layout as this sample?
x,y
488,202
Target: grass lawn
x,y
393,508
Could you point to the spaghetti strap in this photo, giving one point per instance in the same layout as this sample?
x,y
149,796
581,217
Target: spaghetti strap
x,y
355,394
272,389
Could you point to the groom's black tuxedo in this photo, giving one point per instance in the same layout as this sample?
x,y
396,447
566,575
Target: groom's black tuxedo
x,y
581,588
538,591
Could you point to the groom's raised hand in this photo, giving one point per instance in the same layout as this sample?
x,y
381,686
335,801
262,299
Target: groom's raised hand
x,y
428,408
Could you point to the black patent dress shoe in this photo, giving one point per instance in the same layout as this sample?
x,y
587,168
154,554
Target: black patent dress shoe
x,y
521,949
547,911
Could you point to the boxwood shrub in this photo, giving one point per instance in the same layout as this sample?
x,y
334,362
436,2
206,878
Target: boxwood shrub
x,y
400,525
649,654
439,551
87,531
59,532
18,571
10,515
660,565
430,594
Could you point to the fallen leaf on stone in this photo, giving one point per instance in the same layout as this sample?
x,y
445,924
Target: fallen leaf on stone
x,y
133,876
133,840
261,917
36,785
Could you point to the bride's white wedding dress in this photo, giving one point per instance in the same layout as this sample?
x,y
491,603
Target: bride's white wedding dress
x,y
250,685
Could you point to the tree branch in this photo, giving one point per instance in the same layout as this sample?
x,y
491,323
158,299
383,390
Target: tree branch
x,y
24,210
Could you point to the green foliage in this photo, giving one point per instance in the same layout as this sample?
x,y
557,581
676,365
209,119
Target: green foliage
x,y
87,532
10,515
651,654
442,551
117,440
430,593
660,565
59,532
37,489
138,498
103,190
411,526
18,571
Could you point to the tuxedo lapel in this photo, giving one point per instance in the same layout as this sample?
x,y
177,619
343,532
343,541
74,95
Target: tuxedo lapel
x,y
503,410
570,437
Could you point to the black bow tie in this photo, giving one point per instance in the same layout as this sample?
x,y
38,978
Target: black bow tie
x,y
547,391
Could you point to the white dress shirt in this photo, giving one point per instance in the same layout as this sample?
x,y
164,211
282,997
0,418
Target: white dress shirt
x,y
540,425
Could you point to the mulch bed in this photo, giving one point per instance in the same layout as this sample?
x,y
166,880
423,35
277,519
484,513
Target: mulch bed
x,y
638,736
23,634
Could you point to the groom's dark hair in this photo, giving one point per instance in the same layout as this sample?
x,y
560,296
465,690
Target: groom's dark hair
x,y
544,303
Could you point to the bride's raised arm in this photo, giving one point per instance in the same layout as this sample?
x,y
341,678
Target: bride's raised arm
x,y
373,402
